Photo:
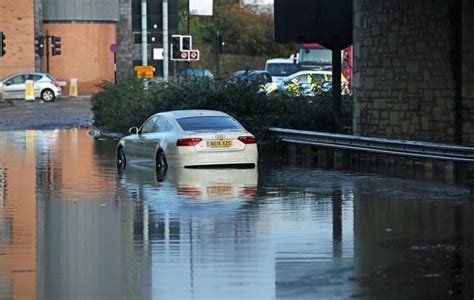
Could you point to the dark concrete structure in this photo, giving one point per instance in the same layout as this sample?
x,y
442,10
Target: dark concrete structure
x,y
413,64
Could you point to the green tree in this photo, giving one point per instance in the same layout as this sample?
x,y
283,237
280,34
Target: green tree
x,y
244,30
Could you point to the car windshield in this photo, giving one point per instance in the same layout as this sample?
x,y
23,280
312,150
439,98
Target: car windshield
x,y
317,56
282,69
208,124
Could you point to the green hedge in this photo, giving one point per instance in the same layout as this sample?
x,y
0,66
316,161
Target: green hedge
x,y
119,106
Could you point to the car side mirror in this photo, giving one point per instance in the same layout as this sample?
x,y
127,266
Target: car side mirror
x,y
133,130
7,82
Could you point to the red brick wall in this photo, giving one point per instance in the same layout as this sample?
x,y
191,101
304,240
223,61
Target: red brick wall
x,y
17,23
85,54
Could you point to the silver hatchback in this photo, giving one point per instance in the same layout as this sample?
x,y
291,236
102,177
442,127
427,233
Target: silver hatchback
x,y
44,85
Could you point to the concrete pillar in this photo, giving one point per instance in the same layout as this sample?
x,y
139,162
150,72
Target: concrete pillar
x,y
29,90
73,88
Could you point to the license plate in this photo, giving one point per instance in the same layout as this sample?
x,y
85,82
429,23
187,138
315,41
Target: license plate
x,y
219,144
220,190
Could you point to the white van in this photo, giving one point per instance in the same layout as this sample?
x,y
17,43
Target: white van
x,y
280,68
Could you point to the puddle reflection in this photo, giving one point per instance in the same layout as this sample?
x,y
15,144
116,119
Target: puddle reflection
x,y
72,227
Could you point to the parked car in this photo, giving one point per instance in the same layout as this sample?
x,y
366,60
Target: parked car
x,y
280,68
155,80
187,138
44,86
261,77
301,81
195,73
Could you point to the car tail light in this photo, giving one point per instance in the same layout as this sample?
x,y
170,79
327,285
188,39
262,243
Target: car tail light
x,y
55,83
248,139
188,142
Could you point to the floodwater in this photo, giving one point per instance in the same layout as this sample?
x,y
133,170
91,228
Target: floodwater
x,y
73,227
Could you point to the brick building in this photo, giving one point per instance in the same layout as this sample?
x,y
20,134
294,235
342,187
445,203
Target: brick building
x,y
87,30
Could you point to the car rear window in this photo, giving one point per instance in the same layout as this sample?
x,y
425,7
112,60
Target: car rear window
x,y
281,69
208,124
51,77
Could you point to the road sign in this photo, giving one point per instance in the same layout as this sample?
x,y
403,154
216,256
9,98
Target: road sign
x,y
114,47
158,54
184,55
194,55
144,71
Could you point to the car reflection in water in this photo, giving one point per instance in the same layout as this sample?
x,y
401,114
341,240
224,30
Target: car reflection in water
x,y
210,185
183,190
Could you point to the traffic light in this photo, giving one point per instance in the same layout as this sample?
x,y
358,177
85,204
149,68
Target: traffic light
x,y
39,45
182,48
186,42
55,45
175,47
2,44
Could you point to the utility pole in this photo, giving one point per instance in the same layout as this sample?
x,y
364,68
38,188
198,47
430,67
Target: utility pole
x,y
47,51
166,46
188,20
144,35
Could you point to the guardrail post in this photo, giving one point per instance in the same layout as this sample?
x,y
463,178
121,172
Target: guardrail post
x,y
373,163
292,153
449,171
392,165
339,159
308,156
428,169
322,157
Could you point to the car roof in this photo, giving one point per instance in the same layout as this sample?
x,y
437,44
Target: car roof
x,y
187,113
259,71
251,71
280,60
313,72
23,73
306,72
34,73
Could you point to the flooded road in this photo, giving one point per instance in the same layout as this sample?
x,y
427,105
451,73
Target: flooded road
x,y
72,227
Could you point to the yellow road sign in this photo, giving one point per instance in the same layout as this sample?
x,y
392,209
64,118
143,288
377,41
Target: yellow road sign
x,y
144,71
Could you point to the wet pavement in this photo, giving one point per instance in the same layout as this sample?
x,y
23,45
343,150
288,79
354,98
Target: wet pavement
x,y
73,227
64,112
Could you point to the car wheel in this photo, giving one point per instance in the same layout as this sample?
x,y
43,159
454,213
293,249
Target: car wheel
x,y
121,158
161,163
47,95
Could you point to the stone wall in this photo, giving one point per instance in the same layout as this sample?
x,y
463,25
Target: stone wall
x,y
404,69
468,71
128,51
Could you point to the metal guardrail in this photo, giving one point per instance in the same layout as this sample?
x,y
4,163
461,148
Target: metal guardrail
x,y
376,145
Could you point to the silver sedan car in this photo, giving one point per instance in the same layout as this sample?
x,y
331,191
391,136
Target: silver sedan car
x,y
187,138
44,86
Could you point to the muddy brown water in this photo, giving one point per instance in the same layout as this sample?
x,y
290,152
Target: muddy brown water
x,y
73,227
